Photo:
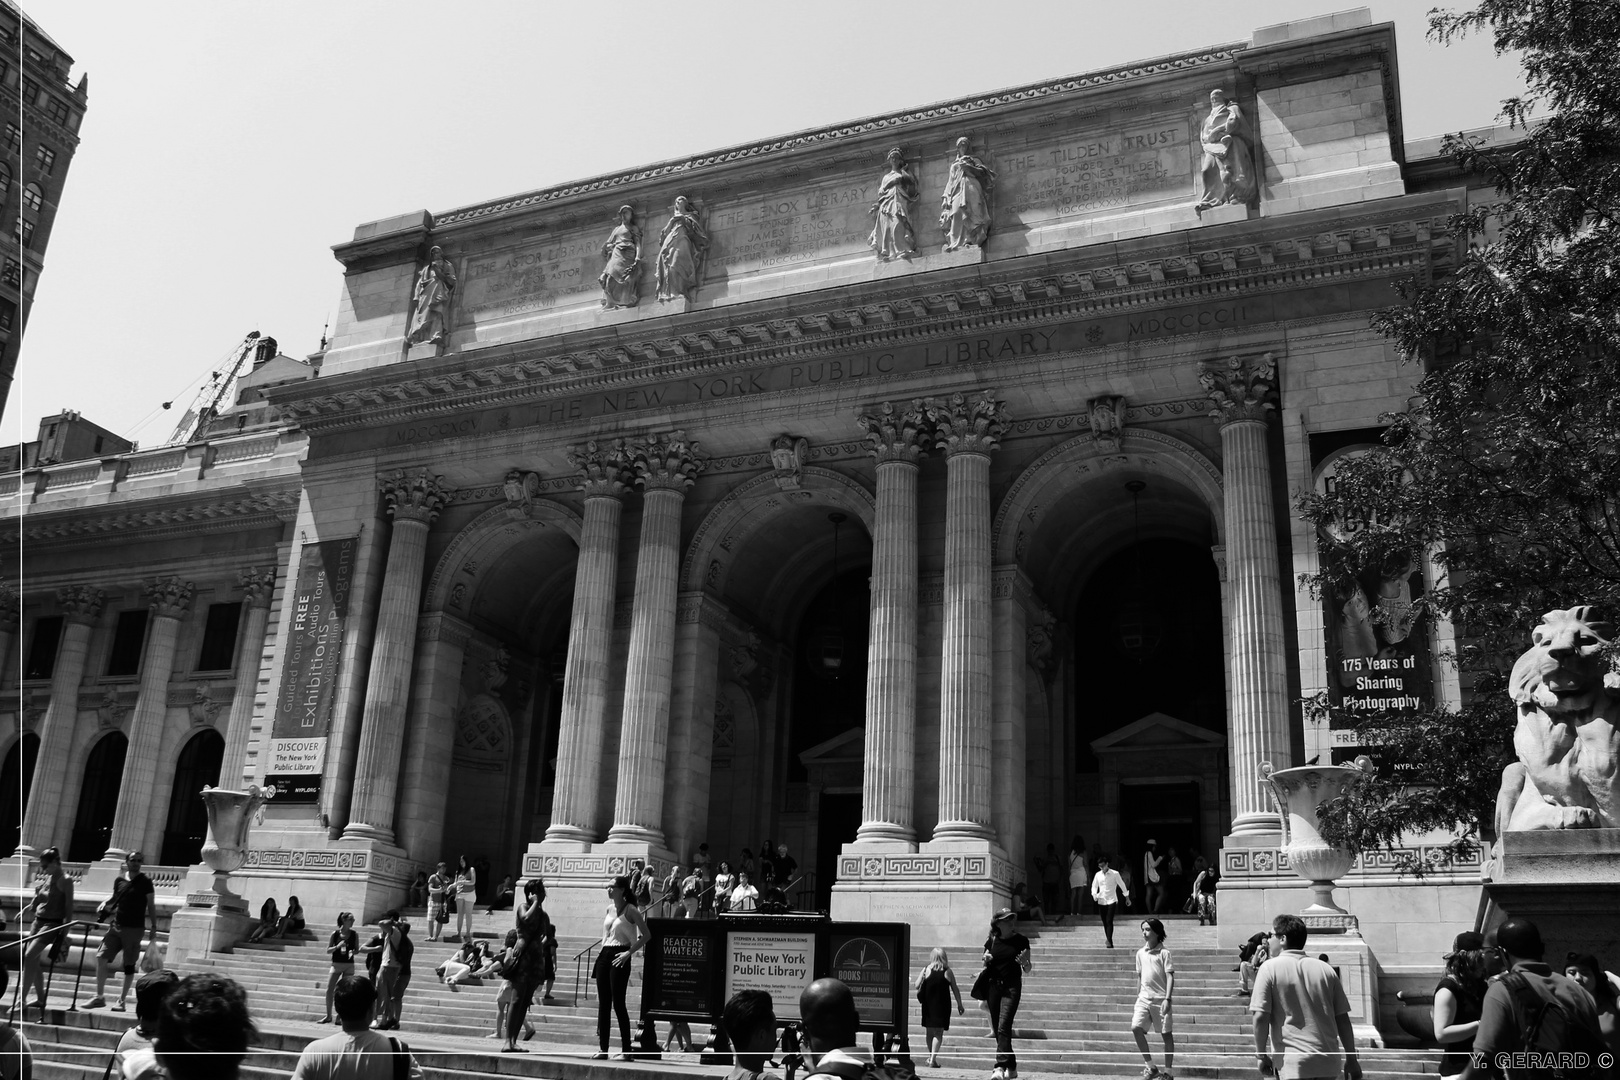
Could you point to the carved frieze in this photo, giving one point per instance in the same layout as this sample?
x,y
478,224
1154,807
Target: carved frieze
x,y
666,461
414,498
1242,388
967,425
897,434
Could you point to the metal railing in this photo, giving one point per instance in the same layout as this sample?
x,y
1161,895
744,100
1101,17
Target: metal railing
x,y
582,962
21,945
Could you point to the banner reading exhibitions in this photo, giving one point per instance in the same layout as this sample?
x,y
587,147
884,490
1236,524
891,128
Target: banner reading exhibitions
x,y
303,716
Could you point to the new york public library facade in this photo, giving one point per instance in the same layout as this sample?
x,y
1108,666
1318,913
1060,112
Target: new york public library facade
x,y
915,563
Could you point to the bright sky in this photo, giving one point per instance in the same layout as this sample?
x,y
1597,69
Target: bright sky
x,y
228,145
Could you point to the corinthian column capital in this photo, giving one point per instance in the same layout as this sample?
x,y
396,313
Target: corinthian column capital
x,y
170,596
257,585
897,434
604,467
1239,389
666,460
964,425
80,603
414,498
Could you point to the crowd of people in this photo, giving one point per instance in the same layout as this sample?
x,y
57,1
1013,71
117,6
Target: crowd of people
x,y
1158,883
705,888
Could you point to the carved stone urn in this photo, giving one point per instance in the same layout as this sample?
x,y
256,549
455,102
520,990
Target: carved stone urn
x,y
1300,792
230,817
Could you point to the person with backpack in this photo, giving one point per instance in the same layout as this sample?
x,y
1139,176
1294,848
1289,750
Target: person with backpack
x,y
1531,1008
1204,886
357,1052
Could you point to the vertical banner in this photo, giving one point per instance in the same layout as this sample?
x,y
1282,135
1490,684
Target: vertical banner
x,y
303,714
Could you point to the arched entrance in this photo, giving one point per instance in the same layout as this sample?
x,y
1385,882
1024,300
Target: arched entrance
x,y
187,826
16,777
98,798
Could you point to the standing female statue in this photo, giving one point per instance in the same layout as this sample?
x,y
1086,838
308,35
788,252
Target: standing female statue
x,y
1228,167
964,211
892,235
434,284
680,246
623,254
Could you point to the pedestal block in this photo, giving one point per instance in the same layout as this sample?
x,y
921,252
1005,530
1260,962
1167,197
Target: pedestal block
x,y
1566,881
577,873
947,891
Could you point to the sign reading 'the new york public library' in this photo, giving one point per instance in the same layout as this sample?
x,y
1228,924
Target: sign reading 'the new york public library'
x,y
695,966
303,716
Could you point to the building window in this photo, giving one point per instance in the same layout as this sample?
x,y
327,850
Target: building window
x,y
5,179
11,274
56,111
8,314
24,233
128,637
33,54
45,158
13,137
30,90
42,650
33,197
8,36
219,637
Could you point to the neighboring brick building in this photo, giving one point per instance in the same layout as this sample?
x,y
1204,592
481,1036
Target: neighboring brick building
x,y
38,151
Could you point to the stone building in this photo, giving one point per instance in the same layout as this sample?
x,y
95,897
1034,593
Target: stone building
x,y
750,510
44,111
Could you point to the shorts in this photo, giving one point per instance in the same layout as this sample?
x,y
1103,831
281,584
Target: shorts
x,y
122,939
1149,1015
505,996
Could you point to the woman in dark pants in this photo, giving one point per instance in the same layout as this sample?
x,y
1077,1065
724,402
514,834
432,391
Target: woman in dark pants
x,y
1006,960
525,963
624,931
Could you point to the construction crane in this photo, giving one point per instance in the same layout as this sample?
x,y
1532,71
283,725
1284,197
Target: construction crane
x,y
214,394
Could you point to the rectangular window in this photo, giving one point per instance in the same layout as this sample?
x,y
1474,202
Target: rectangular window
x,y
33,54
219,637
13,137
8,313
128,637
42,650
56,111
33,198
30,90
24,233
11,274
45,158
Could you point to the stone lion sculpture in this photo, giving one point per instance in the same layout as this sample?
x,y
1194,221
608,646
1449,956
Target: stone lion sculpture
x,y
1566,739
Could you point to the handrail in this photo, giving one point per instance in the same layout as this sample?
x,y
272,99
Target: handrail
x,y
50,972
583,954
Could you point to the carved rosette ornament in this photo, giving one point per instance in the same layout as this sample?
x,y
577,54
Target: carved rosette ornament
x,y
80,603
414,498
170,596
968,426
667,461
257,585
1240,389
897,434
787,459
604,467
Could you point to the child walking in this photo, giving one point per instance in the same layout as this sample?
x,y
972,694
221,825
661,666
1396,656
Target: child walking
x,y
1157,975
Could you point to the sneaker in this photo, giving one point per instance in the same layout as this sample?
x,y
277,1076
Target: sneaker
x,y
1150,1072
324,1020
96,1003
528,1032
118,1007
600,1055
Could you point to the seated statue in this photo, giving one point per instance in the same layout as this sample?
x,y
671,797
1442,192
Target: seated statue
x,y
1566,739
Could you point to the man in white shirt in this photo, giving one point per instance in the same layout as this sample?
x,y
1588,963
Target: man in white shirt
x,y
1300,1008
357,1052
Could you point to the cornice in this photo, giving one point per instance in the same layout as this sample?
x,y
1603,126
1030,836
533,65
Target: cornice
x,y
39,125
1287,255
223,514
1109,77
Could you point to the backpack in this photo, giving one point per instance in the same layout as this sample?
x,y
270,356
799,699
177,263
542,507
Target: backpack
x,y
402,1058
1545,1027
403,951
844,1070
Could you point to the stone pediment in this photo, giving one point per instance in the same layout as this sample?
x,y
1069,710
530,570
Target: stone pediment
x,y
1157,731
838,750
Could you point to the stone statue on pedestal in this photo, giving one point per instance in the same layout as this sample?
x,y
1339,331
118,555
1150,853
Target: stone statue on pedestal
x,y
623,254
1228,155
434,284
892,235
680,249
1566,739
964,209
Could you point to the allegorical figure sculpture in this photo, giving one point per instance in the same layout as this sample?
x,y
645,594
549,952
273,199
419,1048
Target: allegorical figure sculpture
x,y
680,247
892,235
434,284
964,210
1566,738
1228,155
623,254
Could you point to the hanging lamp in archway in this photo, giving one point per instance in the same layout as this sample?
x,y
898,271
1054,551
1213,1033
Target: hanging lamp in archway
x,y
828,657
1138,629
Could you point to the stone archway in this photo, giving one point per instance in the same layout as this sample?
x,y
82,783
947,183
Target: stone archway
x,y
463,567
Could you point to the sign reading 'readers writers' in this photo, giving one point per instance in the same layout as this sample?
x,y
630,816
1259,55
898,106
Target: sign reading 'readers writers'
x,y
303,717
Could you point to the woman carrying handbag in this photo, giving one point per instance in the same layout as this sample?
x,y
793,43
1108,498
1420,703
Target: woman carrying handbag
x,y
1006,962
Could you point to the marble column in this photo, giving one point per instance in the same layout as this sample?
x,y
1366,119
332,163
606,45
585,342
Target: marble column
x,y
967,430
897,439
45,820
138,799
441,650
10,616
690,758
666,465
605,472
257,587
413,502
1257,681
1013,596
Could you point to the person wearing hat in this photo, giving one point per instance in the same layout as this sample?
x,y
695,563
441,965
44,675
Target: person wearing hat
x,y
1459,998
1152,879
1107,890
1006,961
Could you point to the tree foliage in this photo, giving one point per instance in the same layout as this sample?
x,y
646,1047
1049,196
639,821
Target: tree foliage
x,y
1505,468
